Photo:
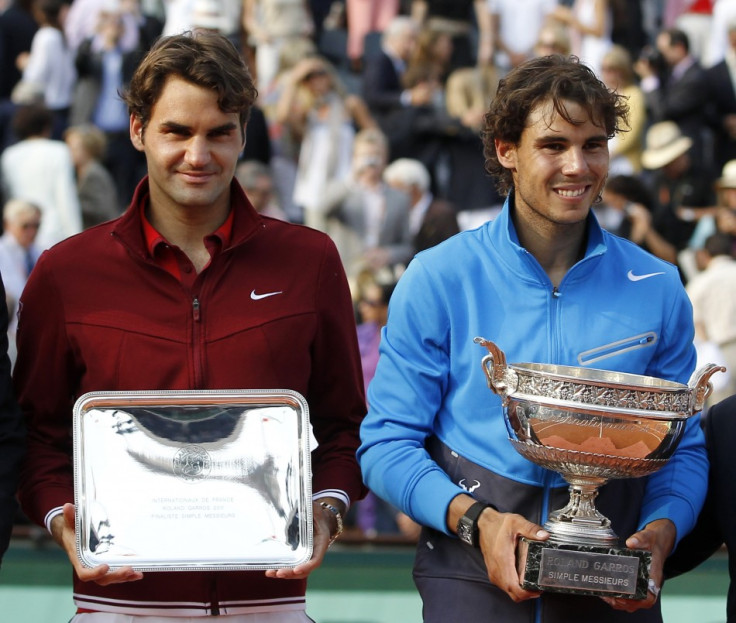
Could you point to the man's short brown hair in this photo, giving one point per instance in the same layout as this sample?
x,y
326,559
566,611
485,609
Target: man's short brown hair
x,y
203,58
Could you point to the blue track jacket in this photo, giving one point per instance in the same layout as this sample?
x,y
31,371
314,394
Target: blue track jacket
x,y
619,308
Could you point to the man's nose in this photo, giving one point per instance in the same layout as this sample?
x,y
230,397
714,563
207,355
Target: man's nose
x,y
575,161
198,151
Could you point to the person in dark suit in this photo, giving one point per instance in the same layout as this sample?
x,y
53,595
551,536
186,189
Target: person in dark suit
x,y
681,94
12,435
717,521
394,107
431,220
721,87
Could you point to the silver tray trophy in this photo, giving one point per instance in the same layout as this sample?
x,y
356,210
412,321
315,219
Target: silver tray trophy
x,y
591,426
193,480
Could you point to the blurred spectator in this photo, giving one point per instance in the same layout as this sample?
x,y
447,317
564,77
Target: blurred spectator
x,y
98,198
40,170
553,38
284,145
679,185
257,182
322,119
373,299
460,18
724,16
681,95
617,71
367,219
50,63
431,220
17,28
517,27
720,80
721,218
627,211
430,60
382,77
713,295
363,17
694,17
18,256
467,93
373,516
257,137
83,18
628,25
590,24
270,25
105,66
223,16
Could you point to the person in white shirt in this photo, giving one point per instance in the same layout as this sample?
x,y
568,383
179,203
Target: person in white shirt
x,y
50,63
713,295
40,169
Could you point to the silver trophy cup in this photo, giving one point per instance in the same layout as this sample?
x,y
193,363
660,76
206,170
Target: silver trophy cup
x,y
591,426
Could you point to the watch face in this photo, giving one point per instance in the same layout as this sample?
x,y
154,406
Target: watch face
x,y
465,532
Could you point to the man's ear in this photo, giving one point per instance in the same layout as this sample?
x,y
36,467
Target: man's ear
x,y
136,132
506,152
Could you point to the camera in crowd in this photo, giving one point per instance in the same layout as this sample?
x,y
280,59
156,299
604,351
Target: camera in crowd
x,y
654,58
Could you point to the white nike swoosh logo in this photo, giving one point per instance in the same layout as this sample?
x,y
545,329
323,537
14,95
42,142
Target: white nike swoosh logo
x,y
633,277
265,295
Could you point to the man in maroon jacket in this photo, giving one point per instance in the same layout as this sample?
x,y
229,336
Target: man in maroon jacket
x,y
190,289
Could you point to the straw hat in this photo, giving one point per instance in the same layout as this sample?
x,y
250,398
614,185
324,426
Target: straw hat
x,y
728,175
664,143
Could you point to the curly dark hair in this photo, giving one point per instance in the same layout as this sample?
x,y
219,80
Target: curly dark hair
x,y
203,58
557,78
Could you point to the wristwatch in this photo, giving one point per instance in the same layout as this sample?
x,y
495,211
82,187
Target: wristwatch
x,y
467,526
338,518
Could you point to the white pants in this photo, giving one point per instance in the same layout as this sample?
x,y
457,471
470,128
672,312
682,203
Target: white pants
x,y
298,616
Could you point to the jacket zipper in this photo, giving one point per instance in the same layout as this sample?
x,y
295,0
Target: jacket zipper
x,y
196,343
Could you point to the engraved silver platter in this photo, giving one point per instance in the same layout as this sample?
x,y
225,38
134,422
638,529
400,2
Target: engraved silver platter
x,y
193,480
591,426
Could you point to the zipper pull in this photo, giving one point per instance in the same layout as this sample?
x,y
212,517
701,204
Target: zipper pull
x,y
556,293
195,309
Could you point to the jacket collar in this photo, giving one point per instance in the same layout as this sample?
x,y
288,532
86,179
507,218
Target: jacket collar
x,y
503,234
129,228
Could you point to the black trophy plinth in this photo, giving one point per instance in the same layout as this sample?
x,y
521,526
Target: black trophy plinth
x,y
583,569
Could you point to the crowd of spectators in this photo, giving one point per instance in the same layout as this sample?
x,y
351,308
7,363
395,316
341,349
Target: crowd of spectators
x,y
368,120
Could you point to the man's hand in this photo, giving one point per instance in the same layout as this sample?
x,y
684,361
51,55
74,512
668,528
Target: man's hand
x,y
325,525
499,536
657,537
62,529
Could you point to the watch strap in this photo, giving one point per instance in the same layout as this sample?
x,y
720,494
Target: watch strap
x,y
338,517
471,518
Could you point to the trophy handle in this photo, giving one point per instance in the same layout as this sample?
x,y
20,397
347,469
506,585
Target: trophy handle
x,y
494,366
701,387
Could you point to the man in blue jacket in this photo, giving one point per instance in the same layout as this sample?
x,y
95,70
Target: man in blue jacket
x,y
546,284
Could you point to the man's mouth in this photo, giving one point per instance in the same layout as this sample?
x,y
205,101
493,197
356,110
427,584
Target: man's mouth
x,y
571,193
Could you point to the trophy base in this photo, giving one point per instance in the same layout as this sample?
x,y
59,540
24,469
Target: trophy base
x,y
583,569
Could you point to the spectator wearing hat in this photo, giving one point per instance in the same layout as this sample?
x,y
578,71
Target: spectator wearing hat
x,y
720,218
678,183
